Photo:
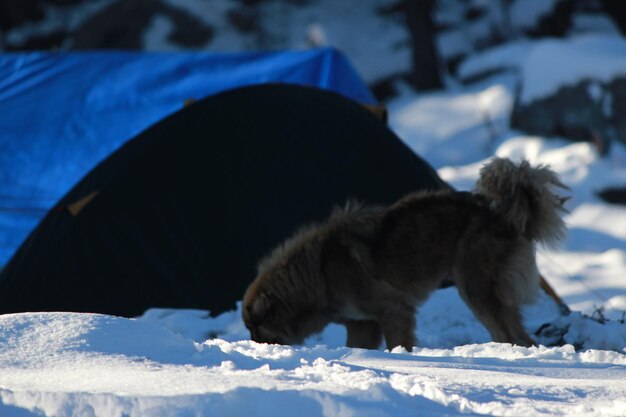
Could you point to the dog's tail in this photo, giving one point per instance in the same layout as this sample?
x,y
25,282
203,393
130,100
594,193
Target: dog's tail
x,y
525,196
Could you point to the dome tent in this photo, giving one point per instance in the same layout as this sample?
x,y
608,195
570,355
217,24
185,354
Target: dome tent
x,y
61,113
180,215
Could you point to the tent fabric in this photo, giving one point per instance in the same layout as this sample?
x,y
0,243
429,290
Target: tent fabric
x,y
62,113
180,215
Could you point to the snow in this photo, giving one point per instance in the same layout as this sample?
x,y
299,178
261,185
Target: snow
x,y
598,23
72,364
545,66
285,25
553,64
454,127
503,57
156,36
187,363
526,13
297,25
56,19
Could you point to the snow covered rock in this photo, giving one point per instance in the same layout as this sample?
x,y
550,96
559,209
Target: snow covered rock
x,y
471,27
105,29
574,88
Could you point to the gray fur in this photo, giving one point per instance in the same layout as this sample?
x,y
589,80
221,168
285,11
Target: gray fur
x,y
369,268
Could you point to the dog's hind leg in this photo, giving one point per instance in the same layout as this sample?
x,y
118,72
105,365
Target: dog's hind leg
x,y
504,322
365,334
495,274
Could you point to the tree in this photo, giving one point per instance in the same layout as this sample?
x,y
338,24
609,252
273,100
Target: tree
x,y
425,72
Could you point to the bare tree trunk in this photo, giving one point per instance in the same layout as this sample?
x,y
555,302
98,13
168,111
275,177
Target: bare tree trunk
x,y
506,28
425,74
617,10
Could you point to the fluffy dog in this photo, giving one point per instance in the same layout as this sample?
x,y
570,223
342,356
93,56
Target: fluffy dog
x,y
370,268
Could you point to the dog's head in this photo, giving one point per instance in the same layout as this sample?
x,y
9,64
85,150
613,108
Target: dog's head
x,y
282,304
288,301
267,318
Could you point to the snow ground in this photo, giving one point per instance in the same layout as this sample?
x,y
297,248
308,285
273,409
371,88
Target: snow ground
x,y
185,363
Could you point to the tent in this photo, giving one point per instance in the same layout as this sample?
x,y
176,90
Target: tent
x,y
180,215
62,113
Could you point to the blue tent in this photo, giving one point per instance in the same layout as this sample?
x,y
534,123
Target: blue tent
x,y
62,113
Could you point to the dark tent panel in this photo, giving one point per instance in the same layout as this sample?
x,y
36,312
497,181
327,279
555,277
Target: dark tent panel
x,y
180,215
63,113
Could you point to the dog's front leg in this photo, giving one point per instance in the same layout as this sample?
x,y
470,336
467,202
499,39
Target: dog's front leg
x,y
364,334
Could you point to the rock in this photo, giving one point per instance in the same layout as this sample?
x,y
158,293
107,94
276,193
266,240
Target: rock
x,y
122,24
555,23
588,111
469,27
189,32
119,25
574,88
14,13
614,195
50,41
244,19
65,2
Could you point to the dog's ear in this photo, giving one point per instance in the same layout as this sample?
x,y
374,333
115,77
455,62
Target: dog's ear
x,y
259,309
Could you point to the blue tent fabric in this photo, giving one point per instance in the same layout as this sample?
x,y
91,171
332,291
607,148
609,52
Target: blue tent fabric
x,y
62,113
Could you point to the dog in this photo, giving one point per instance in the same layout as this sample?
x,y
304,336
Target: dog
x,y
369,268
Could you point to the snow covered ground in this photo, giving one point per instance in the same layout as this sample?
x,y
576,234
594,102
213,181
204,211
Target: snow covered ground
x,y
93,365
184,363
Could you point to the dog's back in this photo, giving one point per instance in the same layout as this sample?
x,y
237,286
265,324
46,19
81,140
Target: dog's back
x,y
417,241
